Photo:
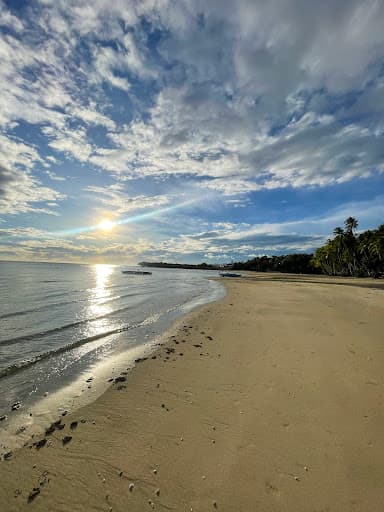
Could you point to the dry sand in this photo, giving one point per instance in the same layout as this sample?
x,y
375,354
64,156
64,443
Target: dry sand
x,y
281,411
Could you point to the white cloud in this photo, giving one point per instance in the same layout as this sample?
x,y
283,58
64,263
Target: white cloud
x,y
8,20
245,95
115,199
91,116
73,143
220,241
20,192
230,186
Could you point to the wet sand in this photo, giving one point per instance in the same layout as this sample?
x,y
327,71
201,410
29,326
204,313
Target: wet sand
x,y
272,400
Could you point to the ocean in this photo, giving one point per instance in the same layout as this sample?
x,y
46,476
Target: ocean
x,y
60,323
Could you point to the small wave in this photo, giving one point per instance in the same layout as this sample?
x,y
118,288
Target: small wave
x,y
53,305
42,334
9,370
55,294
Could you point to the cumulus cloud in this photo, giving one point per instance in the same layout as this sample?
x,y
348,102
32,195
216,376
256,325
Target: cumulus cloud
x,y
115,199
20,192
217,241
234,84
231,97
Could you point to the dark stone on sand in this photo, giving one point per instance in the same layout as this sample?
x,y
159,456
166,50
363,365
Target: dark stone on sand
x,y
64,413
8,455
16,406
209,338
2,418
32,495
50,429
110,380
40,444
66,439
60,426
73,425
89,380
163,406
153,357
181,354
176,342
120,379
197,346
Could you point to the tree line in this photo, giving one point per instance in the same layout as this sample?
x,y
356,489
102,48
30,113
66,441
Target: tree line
x,y
351,254
163,264
346,254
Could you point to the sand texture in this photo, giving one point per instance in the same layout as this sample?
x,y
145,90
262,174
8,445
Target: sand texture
x,y
282,410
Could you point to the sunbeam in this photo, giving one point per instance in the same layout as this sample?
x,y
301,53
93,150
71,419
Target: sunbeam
x,y
107,225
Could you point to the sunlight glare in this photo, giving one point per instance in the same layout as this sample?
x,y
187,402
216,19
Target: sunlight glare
x,y
106,225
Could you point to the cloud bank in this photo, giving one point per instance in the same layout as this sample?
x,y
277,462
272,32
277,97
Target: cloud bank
x,y
238,98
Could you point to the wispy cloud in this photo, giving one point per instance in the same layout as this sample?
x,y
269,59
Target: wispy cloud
x,y
230,99
220,241
116,200
22,193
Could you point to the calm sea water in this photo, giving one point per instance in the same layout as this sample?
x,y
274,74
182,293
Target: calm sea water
x,y
59,320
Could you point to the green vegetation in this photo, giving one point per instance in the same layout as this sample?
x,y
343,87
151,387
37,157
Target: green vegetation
x,y
293,263
163,264
349,254
346,254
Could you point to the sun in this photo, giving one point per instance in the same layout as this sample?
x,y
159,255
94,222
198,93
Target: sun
x,y
106,225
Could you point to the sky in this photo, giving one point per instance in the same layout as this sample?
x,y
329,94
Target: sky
x,y
187,130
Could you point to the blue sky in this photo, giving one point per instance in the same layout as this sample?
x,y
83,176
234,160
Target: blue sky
x,y
203,130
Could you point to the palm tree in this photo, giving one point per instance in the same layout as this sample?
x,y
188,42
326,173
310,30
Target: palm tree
x,y
350,224
338,231
351,245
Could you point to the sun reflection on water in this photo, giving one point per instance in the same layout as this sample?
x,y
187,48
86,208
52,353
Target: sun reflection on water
x,y
101,290
99,311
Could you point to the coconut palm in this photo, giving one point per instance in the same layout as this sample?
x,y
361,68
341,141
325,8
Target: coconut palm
x,y
351,224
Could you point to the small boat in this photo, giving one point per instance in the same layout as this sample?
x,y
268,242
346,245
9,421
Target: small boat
x,y
137,272
229,274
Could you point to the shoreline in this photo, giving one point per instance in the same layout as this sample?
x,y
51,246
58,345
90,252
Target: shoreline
x,y
265,414
23,425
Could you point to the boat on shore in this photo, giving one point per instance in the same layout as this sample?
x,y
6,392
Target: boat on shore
x,y
229,274
137,272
